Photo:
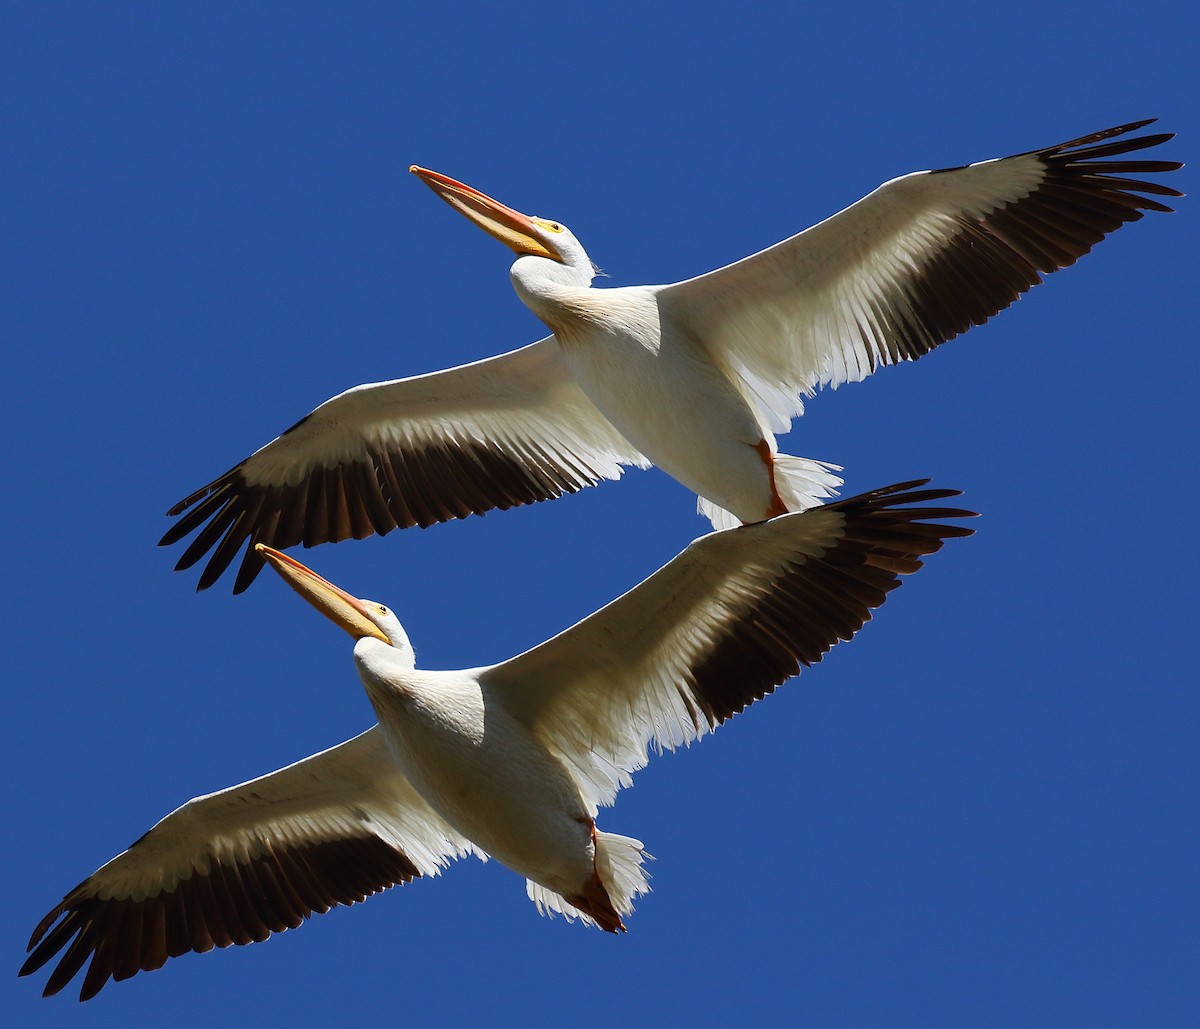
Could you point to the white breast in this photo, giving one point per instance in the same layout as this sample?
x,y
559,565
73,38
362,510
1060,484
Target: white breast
x,y
667,397
481,769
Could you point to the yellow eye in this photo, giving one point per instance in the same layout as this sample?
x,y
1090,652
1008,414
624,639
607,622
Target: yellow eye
x,y
383,610
550,226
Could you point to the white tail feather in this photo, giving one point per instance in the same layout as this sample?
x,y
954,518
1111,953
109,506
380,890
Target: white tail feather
x,y
802,483
619,863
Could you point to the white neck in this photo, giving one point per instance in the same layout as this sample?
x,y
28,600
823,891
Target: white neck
x,y
545,286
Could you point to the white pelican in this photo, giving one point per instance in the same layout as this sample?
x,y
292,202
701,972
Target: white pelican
x,y
510,760
694,377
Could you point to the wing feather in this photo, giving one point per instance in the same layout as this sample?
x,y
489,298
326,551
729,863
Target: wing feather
x,y
916,262
235,866
511,430
736,614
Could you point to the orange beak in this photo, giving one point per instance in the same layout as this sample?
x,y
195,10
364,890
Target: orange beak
x,y
512,228
335,604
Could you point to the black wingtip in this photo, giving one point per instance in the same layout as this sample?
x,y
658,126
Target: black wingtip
x,y
177,509
252,564
903,494
1103,134
907,488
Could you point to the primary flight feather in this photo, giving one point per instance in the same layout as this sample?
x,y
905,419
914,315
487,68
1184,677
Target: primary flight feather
x,y
695,377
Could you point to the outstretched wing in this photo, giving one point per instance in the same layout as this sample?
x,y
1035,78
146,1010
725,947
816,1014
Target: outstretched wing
x,y
236,866
921,259
497,433
724,623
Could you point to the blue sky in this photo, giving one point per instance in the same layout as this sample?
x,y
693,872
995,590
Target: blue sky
x,y
982,811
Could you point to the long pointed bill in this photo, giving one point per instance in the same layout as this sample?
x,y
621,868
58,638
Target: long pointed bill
x,y
512,228
335,604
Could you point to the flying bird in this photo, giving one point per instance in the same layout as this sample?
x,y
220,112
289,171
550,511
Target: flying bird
x,y
510,760
695,377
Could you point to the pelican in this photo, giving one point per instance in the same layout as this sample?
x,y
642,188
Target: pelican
x,y
511,760
696,377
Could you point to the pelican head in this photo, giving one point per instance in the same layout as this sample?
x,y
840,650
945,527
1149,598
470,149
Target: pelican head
x,y
533,239
362,619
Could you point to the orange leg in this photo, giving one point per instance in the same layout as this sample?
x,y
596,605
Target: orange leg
x,y
777,507
594,899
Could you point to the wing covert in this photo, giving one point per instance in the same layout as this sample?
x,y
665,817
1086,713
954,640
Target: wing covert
x,y
916,262
235,866
497,433
737,613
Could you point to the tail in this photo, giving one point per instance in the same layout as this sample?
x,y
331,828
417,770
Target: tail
x,y
620,862
620,877
801,483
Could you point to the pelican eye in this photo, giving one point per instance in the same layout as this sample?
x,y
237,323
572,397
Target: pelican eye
x,y
382,609
549,226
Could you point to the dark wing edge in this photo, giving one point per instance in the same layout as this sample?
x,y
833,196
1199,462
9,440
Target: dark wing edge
x,y
723,624
498,433
392,488
998,256
918,261
233,903
819,601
